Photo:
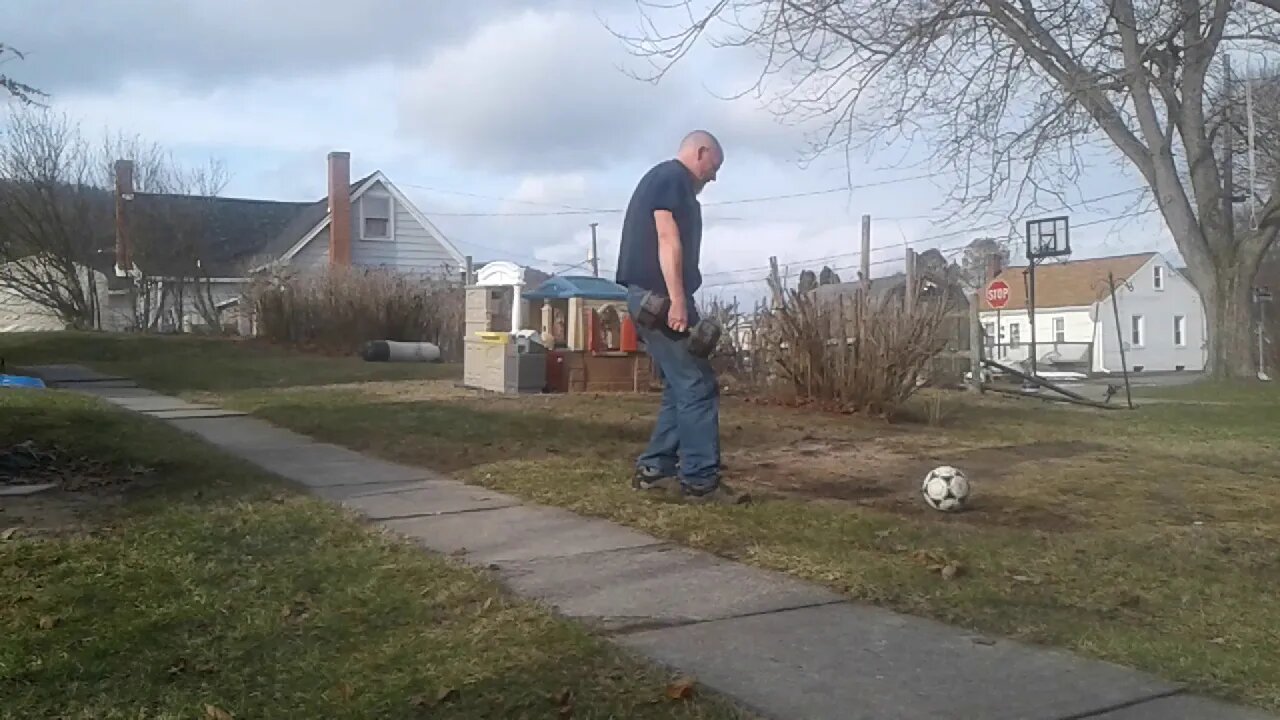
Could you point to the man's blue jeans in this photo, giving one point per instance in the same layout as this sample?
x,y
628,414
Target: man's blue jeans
x,y
686,438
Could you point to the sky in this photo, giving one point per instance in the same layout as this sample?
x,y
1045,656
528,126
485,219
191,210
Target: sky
x,y
512,124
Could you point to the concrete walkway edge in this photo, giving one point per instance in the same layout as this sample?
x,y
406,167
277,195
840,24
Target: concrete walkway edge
x,y
780,647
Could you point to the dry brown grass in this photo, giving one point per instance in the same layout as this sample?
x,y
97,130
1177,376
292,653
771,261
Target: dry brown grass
x,y
340,309
866,353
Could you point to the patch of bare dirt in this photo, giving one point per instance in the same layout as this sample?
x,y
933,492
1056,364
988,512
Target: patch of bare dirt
x,y
57,513
28,464
83,491
885,473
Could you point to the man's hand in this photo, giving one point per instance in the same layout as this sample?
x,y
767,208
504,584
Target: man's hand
x,y
678,315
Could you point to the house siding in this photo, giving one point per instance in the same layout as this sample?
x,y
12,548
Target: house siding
x,y
1078,333
315,254
1158,308
412,247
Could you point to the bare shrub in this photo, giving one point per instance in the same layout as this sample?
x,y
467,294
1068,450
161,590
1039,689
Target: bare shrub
x,y
340,309
857,354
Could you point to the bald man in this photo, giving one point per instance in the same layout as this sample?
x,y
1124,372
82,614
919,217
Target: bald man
x,y
661,243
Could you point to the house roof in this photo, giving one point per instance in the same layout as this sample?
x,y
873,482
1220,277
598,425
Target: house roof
x,y
226,232
880,288
1069,284
229,233
562,287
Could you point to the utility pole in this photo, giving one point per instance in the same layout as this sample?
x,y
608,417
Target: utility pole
x,y
866,251
911,281
975,341
595,255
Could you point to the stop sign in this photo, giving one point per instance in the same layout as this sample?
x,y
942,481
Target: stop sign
x,y
998,294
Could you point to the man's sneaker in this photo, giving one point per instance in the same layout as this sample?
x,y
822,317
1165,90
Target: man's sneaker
x,y
648,480
721,494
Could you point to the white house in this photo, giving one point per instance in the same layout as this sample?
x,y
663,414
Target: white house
x,y
369,223
1162,319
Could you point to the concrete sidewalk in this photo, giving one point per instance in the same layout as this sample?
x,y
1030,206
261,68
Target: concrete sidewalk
x,y
782,648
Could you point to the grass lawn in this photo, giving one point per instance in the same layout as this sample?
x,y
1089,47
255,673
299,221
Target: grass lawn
x,y
183,584
1149,538
185,363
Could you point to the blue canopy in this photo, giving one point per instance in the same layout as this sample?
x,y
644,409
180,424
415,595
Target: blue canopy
x,y
563,287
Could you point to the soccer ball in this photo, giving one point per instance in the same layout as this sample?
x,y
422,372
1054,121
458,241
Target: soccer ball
x,y
945,488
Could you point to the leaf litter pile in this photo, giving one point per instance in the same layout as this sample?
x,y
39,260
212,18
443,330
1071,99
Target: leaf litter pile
x,y
28,464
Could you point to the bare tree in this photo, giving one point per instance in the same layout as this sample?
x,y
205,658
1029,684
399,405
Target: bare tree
x,y
54,217
20,90
56,223
1013,93
168,229
975,262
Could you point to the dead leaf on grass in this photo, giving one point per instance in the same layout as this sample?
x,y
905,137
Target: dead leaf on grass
x,y
951,570
298,610
933,559
345,691
47,622
681,689
564,697
213,712
1219,641
8,534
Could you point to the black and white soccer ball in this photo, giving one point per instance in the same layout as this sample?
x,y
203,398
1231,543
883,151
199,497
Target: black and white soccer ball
x,y
945,488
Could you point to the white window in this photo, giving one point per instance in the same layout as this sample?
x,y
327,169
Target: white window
x,y
1180,330
1137,326
1157,277
989,333
375,217
1059,330
1015,335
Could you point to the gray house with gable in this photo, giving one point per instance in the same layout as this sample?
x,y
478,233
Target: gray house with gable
x,y
368,223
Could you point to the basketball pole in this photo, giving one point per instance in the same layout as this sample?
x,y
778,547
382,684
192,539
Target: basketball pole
x,y
1031,295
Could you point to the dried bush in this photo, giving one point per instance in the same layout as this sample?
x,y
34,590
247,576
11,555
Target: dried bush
x,y
861,353
341,309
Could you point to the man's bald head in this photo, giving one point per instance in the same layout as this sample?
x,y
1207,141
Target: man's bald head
x,y
700,151
700,139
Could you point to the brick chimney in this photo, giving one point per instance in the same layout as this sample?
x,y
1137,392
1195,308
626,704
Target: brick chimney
x,y
995,266
124,193
340,209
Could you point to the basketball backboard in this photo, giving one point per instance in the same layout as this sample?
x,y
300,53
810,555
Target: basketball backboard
x,y
1048,238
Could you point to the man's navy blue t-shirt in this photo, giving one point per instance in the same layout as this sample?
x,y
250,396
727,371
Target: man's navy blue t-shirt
x,y
667,186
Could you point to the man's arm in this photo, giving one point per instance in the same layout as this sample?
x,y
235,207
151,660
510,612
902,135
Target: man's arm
x,y
671,260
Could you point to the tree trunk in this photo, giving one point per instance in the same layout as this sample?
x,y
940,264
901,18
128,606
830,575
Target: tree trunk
x,y
1230,330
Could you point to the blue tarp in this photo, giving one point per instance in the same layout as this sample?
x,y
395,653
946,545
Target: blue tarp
x,y
563,287
20,381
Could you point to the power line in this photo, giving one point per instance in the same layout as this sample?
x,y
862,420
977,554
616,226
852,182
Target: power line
x,y
947,252
967,230
570,211
535,203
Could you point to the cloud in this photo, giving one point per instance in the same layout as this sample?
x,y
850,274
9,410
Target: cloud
x,y
545,91
208,43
